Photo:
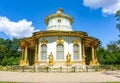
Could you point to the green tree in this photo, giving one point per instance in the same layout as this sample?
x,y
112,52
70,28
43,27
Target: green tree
x,y
101,53
117,16
113,47
109,54
9,51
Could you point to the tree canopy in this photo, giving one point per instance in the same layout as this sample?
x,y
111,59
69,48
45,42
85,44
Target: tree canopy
x,y
111,53
9,51
117,16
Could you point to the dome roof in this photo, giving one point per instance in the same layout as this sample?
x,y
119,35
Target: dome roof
x,y
59,13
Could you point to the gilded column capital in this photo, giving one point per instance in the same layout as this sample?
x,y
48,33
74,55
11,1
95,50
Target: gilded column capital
x,y
76,41
36,41
60,40
26,44
22,47
44,41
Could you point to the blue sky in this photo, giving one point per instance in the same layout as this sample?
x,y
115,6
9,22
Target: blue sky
x,y
19,18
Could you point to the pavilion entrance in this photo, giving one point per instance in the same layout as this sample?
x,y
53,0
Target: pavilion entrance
x,y
88,54
31,52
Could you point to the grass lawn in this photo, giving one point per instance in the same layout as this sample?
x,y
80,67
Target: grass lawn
x,y
14,82
82,82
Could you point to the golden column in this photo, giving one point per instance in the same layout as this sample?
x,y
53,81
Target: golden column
x,y
93,54
36,54
94,58
22,60
23,52
26,63
83,53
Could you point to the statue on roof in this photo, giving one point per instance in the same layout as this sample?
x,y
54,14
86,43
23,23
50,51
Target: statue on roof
x,y
60,10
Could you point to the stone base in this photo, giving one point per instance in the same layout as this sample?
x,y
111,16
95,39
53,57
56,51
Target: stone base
x,y
83,62
69,63
36,62
94,63
50,64
24,63
68,68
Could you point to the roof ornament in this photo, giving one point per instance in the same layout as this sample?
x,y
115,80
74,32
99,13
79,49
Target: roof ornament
x,y
60,10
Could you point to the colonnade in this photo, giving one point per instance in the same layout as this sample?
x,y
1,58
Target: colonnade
x,y
93,60
25,61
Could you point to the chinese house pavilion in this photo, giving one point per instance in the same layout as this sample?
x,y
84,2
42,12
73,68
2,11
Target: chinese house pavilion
x,y
59,44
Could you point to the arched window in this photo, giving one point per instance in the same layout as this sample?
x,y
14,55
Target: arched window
x,y
75,52
44,52
60,52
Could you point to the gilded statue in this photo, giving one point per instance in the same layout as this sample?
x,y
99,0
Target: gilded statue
x,y
51,59
60,10
68,58
60,40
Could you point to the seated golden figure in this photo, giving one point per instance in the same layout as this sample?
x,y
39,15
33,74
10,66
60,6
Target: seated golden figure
x,y
51,59
68,59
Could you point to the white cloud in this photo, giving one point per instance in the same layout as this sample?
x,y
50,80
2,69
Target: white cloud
x,y
107,6
20,29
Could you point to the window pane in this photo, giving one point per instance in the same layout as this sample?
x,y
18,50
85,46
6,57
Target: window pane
x,y
75,55
44,52
60,52
75,52
75,47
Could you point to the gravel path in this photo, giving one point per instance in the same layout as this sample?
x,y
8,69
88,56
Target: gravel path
x,y
38,77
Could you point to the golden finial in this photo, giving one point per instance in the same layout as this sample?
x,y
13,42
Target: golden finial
x,y
60,10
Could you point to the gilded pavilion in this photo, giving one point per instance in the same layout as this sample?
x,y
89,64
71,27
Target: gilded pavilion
x,y
59,45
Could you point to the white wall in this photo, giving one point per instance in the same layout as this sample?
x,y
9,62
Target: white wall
x,y
51,46
64,25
